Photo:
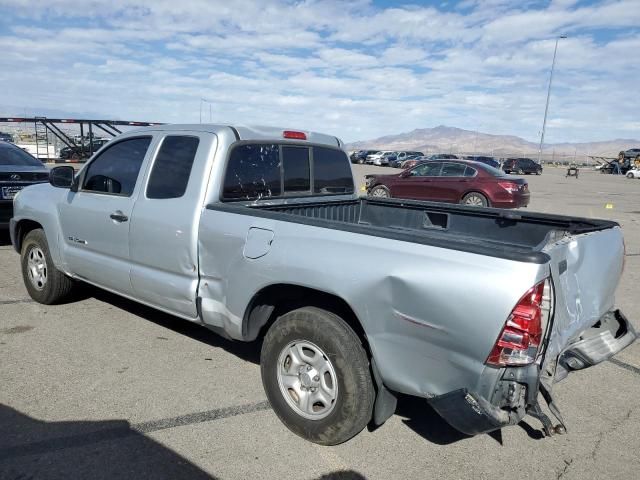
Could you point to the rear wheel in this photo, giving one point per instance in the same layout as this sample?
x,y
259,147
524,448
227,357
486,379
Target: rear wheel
x,y
316,375
520,171
44,282
629,175
475,199
380,192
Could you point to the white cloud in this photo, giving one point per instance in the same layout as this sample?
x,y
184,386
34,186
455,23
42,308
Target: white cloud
x,y
350,68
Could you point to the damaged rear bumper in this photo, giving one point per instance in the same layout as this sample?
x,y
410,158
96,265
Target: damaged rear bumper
x,y
471,413
515,393
611,334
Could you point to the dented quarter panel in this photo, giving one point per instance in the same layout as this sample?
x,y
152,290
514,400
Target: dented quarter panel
x,y
431,315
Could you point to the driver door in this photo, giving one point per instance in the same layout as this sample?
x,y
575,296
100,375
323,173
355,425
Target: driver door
x,y
95,219
418,183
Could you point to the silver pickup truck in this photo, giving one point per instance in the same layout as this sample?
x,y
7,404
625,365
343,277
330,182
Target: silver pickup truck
x,y
259,234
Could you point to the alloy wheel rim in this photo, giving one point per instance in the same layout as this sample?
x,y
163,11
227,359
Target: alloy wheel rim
x,y
37,268
474,200
307,379
380,192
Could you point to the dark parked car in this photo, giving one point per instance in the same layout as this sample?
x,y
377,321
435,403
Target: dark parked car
x,y
361,155
492,162
521,166
453,181
18,169
6,137
82,153
631,156
401,159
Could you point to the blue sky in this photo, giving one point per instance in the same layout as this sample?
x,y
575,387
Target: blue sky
x,y
357,69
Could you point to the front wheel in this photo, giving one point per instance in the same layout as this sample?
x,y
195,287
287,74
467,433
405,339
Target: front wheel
x,y
475,199
316,375
380,192
629,175
44,282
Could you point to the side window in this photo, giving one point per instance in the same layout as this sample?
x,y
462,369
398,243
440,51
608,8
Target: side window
x,y
172,168
253,172
331,171
116,170
428,169
470,172
453,170
295,166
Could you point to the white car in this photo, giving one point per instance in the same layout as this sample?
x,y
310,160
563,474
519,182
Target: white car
x,y
633,173
380,158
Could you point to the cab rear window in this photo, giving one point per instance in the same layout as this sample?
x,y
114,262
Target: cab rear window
x,y
256,171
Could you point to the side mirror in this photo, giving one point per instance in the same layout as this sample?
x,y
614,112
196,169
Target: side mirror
x,y
62,177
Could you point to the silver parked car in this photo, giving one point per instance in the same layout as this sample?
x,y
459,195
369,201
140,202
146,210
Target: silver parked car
x,y
259,233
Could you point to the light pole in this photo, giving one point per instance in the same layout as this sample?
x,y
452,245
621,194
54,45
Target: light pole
x,y
546,108
204,100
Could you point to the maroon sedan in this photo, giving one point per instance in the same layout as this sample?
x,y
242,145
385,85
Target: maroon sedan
x,y
453,181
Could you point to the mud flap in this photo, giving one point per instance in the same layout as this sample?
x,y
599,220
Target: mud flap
x,y
386,401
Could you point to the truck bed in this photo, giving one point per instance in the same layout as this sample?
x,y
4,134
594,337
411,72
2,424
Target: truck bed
x,y
513,235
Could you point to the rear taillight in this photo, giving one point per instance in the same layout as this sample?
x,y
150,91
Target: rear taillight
x,y
521,337
509,186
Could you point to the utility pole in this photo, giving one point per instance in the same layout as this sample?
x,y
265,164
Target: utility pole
x,y
546,108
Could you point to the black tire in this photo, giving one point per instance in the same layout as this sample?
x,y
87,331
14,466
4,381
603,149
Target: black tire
x,y
629,175
382,192
520,172
353,405
481,200
57,286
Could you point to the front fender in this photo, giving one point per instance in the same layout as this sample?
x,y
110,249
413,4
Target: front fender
x,y
39,204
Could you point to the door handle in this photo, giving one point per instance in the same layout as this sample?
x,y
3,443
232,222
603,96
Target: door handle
x,y
118,216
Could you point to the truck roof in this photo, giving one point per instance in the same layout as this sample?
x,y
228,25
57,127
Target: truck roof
x,y
245,132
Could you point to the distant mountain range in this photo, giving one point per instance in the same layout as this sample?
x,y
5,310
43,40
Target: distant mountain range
x,y
443,139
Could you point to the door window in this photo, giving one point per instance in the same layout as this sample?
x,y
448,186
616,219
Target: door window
x,y
172,167
428,169
115,170
453,170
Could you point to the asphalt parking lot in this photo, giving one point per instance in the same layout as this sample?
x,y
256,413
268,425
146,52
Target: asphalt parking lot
x,y
105,388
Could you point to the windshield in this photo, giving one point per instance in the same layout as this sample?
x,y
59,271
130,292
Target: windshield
x,y
10,155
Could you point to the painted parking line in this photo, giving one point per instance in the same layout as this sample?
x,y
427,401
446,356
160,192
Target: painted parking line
x,y
13,302
625,365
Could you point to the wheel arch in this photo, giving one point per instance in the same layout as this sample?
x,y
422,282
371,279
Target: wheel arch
x,y
22,228
275,300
